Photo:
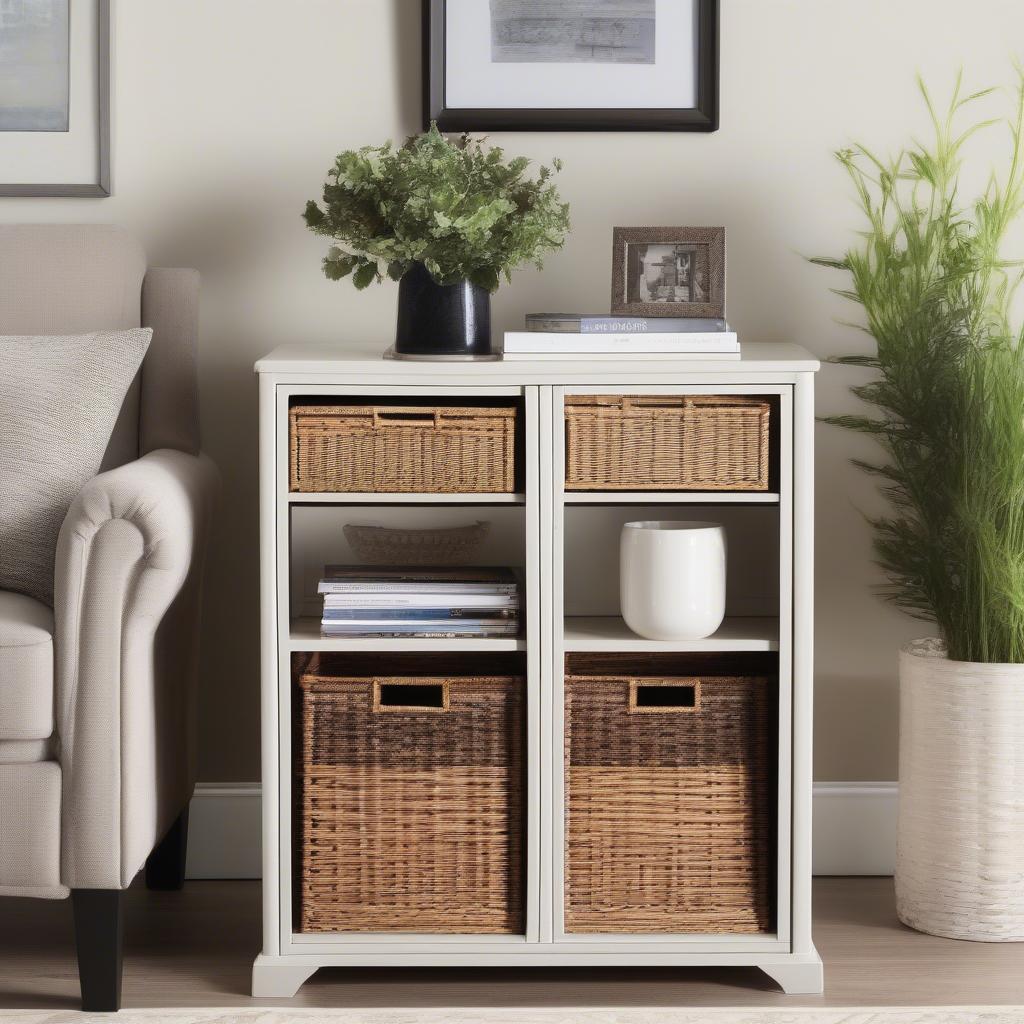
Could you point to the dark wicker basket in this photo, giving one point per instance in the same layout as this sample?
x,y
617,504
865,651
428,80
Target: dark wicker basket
x,y
412,788
670,798
428,449
666,442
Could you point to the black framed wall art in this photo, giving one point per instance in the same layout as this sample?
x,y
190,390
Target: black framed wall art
x,y
571,65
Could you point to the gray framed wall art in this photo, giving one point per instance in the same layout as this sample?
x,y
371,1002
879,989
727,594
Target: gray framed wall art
x,y
55,98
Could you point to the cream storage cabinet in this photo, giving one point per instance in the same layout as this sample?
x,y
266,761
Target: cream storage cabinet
x,y
653,798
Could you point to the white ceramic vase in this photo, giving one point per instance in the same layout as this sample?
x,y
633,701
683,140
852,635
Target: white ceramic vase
x,y
960,846
672,579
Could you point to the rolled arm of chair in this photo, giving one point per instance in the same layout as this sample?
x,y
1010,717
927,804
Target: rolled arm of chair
x,y
129,565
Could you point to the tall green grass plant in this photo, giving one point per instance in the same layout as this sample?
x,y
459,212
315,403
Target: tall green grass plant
x,y
947,381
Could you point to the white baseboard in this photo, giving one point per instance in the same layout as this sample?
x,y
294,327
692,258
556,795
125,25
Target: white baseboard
x,y
854,829
224,831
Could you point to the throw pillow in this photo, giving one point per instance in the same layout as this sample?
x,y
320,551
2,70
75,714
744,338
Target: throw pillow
x,y
59,401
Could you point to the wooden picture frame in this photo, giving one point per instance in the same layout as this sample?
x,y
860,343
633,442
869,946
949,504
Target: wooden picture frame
x,y
701,117
695,267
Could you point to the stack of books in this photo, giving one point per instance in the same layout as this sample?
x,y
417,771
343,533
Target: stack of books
x,y
419,602
557,335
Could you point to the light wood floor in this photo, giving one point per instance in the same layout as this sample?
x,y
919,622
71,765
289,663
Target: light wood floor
x,y
195,948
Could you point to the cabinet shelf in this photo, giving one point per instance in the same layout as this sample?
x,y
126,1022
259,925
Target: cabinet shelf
x,y
671,497
304,635
610,633
402,498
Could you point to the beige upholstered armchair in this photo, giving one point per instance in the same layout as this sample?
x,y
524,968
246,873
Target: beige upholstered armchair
x,y
97,737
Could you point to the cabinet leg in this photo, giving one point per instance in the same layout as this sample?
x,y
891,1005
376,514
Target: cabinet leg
x,y
799,977
165,866
98,936
276,977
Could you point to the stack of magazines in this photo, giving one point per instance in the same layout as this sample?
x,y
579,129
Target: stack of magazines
x,y
557,335
396,601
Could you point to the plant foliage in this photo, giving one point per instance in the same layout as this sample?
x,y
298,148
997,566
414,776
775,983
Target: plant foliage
x,y
455,205
948,381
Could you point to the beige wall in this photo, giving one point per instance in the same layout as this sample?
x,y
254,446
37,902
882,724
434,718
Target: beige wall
x,y
228,113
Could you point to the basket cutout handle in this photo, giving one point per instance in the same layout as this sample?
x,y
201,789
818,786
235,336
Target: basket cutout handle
x,y
664,696
410,695
406,417
655,402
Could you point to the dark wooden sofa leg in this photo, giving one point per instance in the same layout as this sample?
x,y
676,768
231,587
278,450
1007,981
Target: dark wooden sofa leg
x,y
165,867
98,936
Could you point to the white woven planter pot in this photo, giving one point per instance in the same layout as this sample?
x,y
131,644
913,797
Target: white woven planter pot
x,y
960,847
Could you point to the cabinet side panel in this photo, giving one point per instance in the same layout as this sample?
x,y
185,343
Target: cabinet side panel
x,y
803,656
268,661
535,652
785,730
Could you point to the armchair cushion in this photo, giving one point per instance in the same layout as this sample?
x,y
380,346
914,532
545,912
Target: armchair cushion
x,y
59,400
28,751
26,668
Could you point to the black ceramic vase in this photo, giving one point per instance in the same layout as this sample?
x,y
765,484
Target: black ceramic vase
x,y
442,321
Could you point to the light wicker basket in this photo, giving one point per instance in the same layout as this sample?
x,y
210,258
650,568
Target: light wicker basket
x,y
670,798
412,789
445,545
666,442
402,449
960,837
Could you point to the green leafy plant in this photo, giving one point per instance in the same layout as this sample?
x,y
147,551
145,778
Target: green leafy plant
x,y
947,381
455,205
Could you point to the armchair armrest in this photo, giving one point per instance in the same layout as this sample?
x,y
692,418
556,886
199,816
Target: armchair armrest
x,y
126,604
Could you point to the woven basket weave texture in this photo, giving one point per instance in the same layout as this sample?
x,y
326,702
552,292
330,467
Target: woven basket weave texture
x,y
666,442
670,812
960,841
412,818
447,545
402,449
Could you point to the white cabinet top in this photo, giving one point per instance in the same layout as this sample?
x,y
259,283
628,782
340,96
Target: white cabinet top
x,y
353,361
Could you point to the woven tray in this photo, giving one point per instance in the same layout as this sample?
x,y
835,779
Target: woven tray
x,y
670,802
412,789
666,442
445,545
396,448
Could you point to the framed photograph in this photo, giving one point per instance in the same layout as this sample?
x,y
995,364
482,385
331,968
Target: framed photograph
x,y
571,65
668,272
55,98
